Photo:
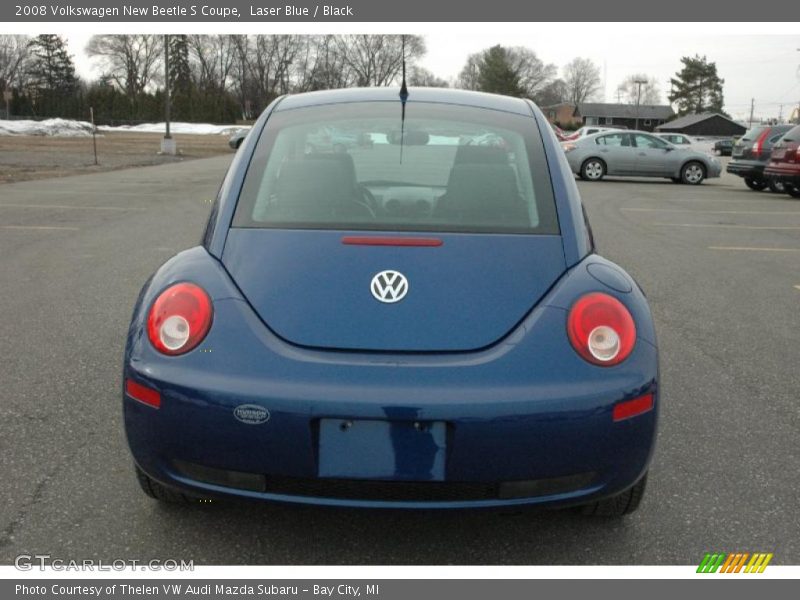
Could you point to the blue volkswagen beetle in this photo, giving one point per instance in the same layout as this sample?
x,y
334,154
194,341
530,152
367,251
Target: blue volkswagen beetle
x,y
420,321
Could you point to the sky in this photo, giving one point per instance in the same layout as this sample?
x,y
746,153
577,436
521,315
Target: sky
x,y
760,67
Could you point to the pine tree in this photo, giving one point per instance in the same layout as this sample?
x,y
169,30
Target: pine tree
x,y
53,83
497,75
180,78
697,88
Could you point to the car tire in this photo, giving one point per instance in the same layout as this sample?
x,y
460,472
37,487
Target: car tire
x,y
161,492
755,184
620,505
239,143
776,187
593,169
693,173
792,190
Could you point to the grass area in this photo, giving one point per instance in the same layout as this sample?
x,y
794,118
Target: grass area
x,y
24,158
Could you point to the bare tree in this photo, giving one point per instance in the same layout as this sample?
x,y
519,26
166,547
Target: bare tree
x,y
377,60
131,61
14,54
534,74
469,77
554,93
270,64
582,79
628,90
213,58
330,69
422,77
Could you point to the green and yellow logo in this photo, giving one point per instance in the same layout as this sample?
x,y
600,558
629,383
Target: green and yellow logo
x,y
735,562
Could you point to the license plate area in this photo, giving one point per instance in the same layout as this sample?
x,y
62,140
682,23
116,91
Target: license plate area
x,y
388,450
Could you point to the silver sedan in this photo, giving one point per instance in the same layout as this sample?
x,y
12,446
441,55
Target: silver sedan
x,y
638,154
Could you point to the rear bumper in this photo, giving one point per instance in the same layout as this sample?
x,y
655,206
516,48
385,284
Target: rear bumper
x,y
783,173
526,423
746,168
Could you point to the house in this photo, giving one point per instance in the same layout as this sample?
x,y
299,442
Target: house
x,y
704,124
561,115
644,117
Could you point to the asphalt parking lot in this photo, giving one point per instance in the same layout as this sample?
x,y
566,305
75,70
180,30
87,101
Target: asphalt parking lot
x,y
720,265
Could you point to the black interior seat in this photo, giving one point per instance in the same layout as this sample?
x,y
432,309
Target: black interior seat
x,y
482,155
483,194
319,187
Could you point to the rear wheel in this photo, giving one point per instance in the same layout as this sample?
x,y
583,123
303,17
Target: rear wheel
x,y
776,187
619,505
162,493
755,184
593,169
693,173
792,190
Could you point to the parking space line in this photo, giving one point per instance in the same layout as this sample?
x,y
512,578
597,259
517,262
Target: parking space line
x,y
70,207
39,227
712,212
724,226
797,287
753,249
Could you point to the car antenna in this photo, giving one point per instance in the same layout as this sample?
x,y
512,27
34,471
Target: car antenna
x,y
403,98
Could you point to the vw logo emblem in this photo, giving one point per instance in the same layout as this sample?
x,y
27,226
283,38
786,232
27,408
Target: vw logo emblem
x,y
389,286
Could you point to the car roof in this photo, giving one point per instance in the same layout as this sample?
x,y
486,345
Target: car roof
x,y
615,131
390,94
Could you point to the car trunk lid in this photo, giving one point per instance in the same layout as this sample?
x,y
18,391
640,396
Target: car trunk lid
x,y
314,287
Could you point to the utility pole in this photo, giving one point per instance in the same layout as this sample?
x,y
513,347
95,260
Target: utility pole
x,y
167,144
639,83
798,103
752,108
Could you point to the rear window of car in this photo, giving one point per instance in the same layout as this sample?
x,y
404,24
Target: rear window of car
x,y
751,134
792,135
361,166
614,139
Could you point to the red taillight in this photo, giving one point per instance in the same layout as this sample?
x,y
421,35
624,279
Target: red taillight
x,y
179,319
631,408
142,393
352,240
601,329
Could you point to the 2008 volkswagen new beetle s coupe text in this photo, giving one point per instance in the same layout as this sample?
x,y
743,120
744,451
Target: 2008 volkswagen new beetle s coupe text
x,y
416,318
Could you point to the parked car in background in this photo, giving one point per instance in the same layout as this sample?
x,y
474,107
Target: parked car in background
x,y
784,163
751,154
637,154
677,139
333,138
588,130
723,147
560,133
237,138
433,333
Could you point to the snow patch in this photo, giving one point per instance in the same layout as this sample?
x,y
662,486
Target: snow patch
x,y
48,127
189,128
72,128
